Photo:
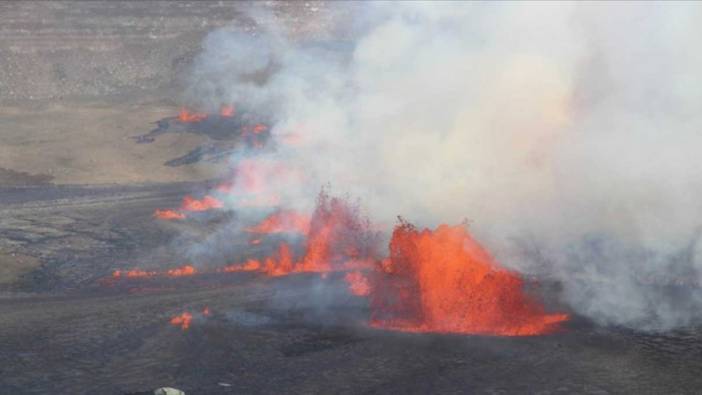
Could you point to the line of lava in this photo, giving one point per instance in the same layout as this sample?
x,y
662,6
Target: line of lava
x,y
189,204
206,203
185,116
168,214
183,271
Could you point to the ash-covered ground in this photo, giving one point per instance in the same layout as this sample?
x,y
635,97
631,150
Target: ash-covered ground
x,y
78,81
65,330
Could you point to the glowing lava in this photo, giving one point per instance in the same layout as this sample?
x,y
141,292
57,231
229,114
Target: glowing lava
x,y
204,204
255,129
182,320
338,238
252,265
182,271
227,111
186,116
444,281
358,283
168,214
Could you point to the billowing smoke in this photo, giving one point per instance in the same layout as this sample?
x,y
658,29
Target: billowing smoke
x,y
567,134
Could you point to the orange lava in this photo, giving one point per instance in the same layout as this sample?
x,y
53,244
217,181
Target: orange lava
x,y
282,221
168,214
227,111
183,271
338,237
259,128
251,265
358,283
282,264
444,281
186,116
183,320
204,204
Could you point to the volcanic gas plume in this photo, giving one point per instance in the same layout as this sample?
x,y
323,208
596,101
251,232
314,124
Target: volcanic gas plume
x,y
565,134
282,221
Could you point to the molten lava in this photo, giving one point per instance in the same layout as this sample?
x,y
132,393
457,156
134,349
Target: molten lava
x,y
282,221
444,281
186,116
183,271
282,264
227,111
168,214
251,265
358,283
256,129
338,237
204,204
182,320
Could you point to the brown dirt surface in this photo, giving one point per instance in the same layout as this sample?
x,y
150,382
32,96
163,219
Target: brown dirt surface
x,y
89,143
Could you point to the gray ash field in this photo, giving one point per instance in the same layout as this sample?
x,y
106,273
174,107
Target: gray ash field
x,y
92,146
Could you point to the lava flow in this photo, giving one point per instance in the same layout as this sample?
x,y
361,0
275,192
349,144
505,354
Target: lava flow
x,y
337,239
358,283
444,281
168,214
186,116
204,204
227,111
189,204
182,271
182,320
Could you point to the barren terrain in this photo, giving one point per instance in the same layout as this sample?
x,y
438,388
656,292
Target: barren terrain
x,y
78,80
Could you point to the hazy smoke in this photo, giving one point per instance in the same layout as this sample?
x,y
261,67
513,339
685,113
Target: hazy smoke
x,y
567,134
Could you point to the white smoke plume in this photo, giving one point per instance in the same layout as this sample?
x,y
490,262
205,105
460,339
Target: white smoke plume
x,y
567,133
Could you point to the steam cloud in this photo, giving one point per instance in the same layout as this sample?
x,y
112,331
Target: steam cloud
x,y
568,134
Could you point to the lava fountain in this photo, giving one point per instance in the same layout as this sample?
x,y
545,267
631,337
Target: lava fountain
x,y
445,281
